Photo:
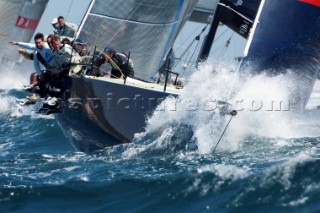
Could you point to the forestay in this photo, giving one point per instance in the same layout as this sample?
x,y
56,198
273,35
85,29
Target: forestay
x,y
145,28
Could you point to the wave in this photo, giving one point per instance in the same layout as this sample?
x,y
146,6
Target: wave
x,y
169,185
263,105
13,78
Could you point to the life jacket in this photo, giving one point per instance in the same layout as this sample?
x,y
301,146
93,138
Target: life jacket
x,y
124,63
41,59
67,55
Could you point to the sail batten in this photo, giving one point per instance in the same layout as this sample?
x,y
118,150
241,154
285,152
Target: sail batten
x,y
137,22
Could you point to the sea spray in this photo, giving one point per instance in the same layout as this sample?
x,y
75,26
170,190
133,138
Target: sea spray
x,y
197,108
5,103
263,108
14,78
263,105
266,111
10,106
11,91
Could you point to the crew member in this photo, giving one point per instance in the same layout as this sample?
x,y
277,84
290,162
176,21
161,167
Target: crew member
x,y
121,64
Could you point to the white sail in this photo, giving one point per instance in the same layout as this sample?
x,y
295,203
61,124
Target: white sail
x,y
8,15
26,20
124,25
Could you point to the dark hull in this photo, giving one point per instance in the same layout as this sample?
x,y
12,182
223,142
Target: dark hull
x,y
99,113
287,40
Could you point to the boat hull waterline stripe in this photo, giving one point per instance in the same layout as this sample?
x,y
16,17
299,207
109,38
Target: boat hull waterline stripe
x,y
277,43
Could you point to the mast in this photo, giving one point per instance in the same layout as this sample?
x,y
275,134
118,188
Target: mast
x,y
85,17
238,15
207,44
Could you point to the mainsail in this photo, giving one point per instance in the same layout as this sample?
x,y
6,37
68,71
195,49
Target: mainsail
x,y
20,23
124,25
8,16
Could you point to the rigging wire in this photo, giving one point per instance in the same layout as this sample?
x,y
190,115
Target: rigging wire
x,y
225,47
191,34
69,10
188,62
233,113
221,35
197,38
119,29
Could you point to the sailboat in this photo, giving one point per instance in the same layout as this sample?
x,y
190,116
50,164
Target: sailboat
x,y
19,20
282,39
101,112
286,43
282,36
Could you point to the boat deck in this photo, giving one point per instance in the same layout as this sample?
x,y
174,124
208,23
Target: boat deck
x,y
174,89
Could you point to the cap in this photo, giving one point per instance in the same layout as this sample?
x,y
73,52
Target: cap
x,y
79,42
66,41
108,50
54,21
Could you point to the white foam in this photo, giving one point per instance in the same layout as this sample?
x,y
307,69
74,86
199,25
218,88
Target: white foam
x,y
196,107
263,110
10,106
225,171
267,122
269,116
14,79
285,171
297,202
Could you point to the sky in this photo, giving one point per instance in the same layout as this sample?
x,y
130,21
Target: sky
x,y
72,10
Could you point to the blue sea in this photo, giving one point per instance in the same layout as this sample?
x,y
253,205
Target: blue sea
x,y
259,166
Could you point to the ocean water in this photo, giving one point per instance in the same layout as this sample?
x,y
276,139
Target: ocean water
x,y
266,162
